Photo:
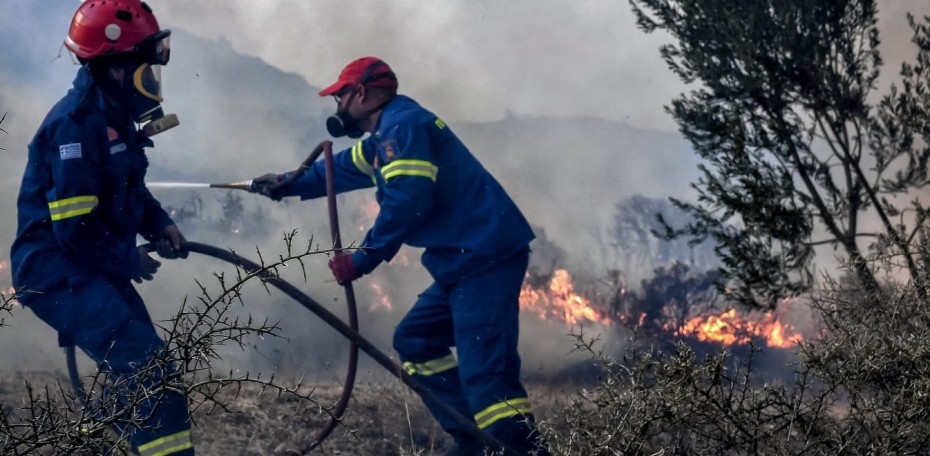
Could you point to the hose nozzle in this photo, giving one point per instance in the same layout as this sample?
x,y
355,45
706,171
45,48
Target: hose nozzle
x,y
244,185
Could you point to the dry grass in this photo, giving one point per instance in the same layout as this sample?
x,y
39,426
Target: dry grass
x,y
384,419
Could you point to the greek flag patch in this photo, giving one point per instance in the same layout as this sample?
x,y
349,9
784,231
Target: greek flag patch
x,y
72,150
388,150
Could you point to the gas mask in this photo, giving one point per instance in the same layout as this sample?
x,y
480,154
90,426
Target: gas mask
x,y
139,89
342,124
368,73
144,93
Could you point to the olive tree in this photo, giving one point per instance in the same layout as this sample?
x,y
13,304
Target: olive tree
x,y
799,148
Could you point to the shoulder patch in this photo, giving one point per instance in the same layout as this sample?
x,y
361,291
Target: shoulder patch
x,y
68,151
388,150
440,123
117,148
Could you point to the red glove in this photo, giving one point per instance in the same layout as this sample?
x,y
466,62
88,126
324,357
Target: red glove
x,y
343,268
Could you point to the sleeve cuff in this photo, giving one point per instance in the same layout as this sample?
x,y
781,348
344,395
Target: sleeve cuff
x,y
364,262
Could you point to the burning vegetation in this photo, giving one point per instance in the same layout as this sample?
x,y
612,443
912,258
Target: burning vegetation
x,y
556,298
731,328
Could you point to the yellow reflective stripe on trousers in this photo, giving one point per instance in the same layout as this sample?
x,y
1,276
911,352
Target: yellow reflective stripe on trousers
x,y
431,367
410,168
167,445
72,207
501,410
358,157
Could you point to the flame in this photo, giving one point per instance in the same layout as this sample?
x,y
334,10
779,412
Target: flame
x,y
560,301
382,299
729,328
370,211
402,258
6,295
9,299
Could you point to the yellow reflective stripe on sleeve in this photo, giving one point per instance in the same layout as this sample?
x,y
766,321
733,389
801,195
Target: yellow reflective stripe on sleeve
x,y
410,168
72,207
431,367
167,445
358,158
501,410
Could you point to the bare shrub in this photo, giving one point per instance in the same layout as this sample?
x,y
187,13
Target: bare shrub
x,y
861,388
59,420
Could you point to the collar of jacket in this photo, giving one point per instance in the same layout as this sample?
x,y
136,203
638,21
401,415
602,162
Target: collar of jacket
x,y
397,104
91,95
84,88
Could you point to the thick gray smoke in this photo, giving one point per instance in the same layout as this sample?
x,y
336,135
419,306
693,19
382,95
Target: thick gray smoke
x,y
563,103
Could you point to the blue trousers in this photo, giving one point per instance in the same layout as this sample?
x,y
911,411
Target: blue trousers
x,y
480,317
110,323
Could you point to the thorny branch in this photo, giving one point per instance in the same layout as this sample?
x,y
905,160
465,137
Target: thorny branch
x,y
61,421
1,128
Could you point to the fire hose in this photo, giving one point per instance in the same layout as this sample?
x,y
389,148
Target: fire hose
x,y
349,331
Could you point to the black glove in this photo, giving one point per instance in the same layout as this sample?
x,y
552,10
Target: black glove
x,y
268,185
169,244
148,266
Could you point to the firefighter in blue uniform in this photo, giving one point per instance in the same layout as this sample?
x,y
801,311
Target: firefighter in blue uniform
x,y
434,194
82,203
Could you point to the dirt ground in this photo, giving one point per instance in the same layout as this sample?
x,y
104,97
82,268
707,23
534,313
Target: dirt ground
x,y
384,418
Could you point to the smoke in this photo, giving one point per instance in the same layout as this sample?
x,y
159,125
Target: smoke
x,y
469,60
562,102
896,36
567,175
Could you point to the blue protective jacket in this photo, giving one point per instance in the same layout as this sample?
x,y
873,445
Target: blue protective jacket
x,y
433,194
83,198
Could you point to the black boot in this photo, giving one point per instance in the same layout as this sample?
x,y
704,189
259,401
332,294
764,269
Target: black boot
x,y
521,436
471,447
466,447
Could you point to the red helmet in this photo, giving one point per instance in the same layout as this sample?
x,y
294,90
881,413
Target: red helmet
x,y
103,27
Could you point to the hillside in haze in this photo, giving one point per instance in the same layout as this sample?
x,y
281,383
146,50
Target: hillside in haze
x,y
241,118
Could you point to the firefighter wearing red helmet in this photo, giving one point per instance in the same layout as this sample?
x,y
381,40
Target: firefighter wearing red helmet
x,y
103,27
434,194
121,42
81,205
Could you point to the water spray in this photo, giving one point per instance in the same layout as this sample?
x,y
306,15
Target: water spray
x,y
176,185
249,185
